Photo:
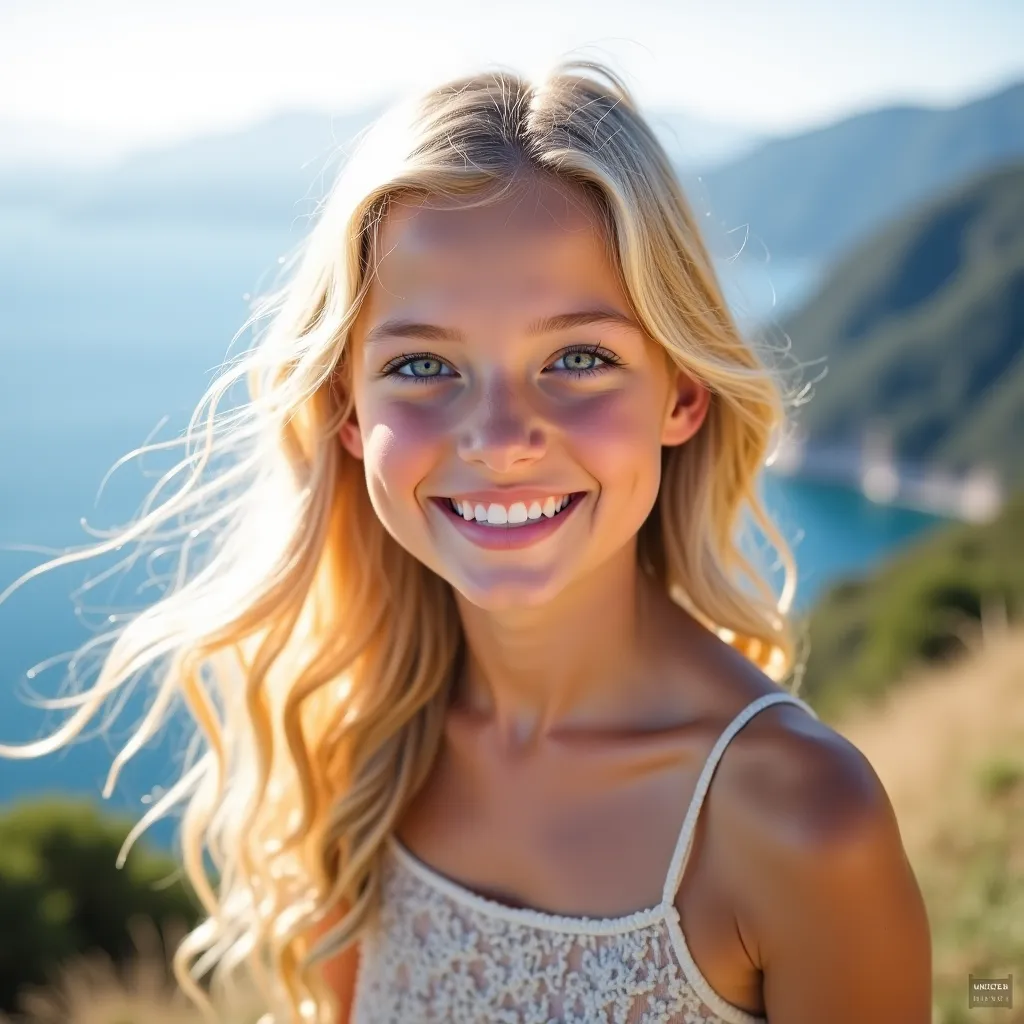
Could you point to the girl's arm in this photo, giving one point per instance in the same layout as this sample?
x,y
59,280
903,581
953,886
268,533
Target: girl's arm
x,y
829,897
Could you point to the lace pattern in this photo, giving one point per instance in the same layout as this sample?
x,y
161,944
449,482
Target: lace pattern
x,y
438,952
432,958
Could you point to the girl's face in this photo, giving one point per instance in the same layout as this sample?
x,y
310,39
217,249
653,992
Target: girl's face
x,y
510,412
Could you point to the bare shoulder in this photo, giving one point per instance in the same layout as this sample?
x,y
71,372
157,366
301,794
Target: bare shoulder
x,y
826,900
800,783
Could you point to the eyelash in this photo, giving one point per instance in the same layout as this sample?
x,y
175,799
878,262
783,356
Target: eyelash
x,y
610,361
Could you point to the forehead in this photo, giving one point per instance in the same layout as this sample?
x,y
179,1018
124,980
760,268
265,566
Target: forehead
x,y
543,240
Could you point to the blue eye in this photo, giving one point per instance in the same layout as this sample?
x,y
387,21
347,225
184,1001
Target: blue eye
x,y
580,362
420,367
577,361
586,359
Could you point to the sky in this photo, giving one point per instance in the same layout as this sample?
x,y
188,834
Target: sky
x,y
143,72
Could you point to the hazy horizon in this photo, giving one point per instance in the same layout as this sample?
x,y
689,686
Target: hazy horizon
x,y
136,77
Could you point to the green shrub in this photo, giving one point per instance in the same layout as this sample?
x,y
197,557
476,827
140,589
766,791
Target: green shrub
x,y
918,608
62,895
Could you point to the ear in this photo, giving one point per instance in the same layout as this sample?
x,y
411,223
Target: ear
x,y
686,407
351,438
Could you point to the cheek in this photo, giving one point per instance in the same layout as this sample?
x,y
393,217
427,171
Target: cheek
x,y
618,438
400,448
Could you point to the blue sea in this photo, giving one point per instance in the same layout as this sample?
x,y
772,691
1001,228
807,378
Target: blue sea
x,y
110,329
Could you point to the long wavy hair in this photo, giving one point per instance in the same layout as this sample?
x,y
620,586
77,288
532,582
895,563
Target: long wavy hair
x,y
314,653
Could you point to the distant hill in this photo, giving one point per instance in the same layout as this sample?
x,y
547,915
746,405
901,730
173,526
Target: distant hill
x,y
265,174
813,195
923,329
258,175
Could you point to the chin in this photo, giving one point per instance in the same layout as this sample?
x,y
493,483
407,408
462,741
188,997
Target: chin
x,y
506,592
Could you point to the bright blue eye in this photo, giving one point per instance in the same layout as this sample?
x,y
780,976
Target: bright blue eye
x,y
421,368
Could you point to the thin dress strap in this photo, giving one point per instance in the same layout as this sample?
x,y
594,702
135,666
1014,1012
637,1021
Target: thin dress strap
x,y
685,841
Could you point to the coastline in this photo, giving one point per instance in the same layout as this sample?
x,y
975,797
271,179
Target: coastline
x,y
977,495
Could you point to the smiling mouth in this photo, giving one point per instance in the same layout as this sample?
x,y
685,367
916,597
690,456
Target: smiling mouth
x,y
515,517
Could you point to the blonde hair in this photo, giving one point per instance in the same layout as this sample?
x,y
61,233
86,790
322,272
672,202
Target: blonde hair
x,y
313,652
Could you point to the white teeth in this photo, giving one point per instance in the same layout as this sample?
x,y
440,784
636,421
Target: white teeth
x,y
519,512
497,514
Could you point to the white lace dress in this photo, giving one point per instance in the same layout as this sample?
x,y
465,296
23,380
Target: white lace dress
x,y
442,953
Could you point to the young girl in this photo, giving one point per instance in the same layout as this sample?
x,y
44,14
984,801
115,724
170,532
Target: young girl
x,y
492,699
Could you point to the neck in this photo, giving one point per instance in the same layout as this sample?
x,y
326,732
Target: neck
x,y
572,664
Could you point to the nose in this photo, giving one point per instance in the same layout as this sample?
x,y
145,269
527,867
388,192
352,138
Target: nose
x,y
502,432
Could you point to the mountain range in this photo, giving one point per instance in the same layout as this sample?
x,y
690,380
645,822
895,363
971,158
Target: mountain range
x,y
813,195
921,327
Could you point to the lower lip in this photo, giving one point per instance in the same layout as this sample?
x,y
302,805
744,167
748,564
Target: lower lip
x,y
509,538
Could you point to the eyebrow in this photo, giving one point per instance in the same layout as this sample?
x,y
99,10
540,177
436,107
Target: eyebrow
x,y
400,328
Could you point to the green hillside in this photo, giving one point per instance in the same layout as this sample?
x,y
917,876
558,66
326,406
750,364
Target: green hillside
x,y
922,328
917,608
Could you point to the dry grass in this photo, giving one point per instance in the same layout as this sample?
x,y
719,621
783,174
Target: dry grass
x,y
93,990
949,748
929,735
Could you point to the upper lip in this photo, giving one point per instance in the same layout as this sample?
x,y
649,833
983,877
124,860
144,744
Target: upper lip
x,y
509,497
